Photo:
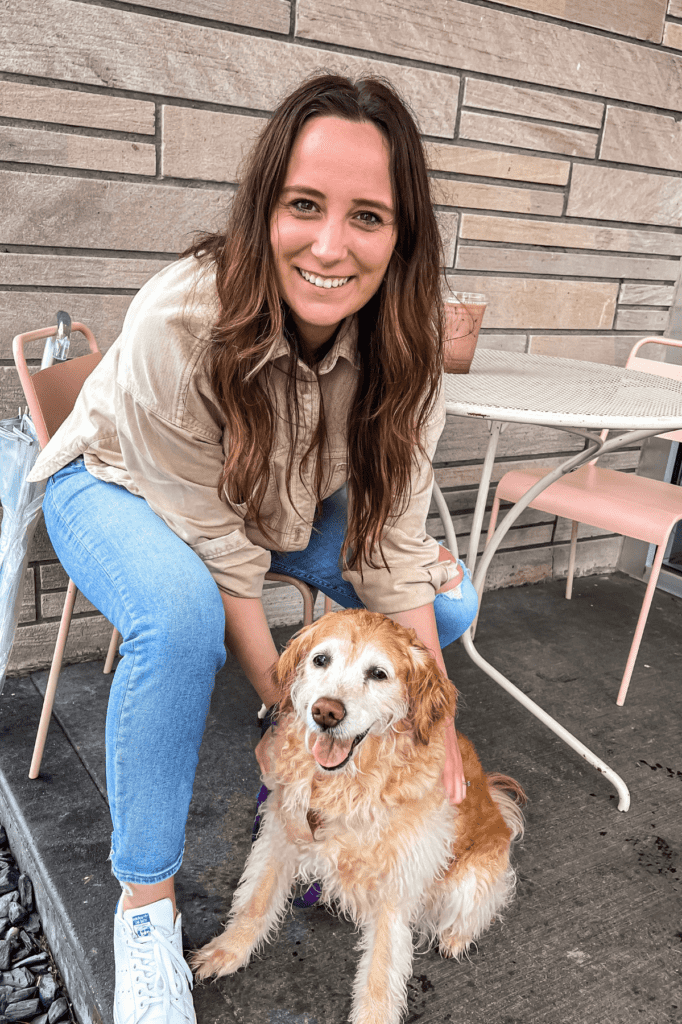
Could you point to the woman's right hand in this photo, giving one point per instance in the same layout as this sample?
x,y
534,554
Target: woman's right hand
x,y
248,637
270,746
265,753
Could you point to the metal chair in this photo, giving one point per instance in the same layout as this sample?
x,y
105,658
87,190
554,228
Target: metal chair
x,y
623,503
50,395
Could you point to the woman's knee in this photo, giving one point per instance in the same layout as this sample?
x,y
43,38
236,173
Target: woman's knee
x,y
188,618
455,610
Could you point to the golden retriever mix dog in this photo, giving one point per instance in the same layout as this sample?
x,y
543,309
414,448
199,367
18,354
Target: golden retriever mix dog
x,y
357,802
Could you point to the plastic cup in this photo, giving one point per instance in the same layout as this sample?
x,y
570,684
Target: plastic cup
x,y
463,318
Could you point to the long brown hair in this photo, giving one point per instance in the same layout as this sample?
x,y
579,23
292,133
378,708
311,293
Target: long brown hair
x,y
399,330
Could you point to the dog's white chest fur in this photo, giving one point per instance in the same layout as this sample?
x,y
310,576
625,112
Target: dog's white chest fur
x,y
396,853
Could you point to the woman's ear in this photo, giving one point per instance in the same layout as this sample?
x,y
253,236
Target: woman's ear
x,y
432,697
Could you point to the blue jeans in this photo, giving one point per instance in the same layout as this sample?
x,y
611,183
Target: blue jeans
x,y
164,602
318,565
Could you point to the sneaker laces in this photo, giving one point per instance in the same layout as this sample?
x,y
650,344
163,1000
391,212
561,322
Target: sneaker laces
x,y
161,973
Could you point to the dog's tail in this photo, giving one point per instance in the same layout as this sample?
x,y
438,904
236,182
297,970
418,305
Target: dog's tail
x,y
506,782
501,786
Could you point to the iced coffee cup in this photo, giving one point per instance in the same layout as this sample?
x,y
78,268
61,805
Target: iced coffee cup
x,y
463,316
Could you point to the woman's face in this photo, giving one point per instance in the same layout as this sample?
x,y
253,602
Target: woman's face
x,y
333,228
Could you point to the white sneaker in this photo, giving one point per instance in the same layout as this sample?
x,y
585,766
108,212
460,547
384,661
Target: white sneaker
x,y
153,981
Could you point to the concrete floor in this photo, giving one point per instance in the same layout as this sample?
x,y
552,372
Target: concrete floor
x,y
595,932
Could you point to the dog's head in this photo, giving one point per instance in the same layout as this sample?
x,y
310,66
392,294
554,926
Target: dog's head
x,y
357,673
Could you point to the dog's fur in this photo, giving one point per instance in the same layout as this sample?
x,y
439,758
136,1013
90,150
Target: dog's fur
x,y
376,829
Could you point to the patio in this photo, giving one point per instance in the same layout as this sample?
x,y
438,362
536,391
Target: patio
x,y
594,934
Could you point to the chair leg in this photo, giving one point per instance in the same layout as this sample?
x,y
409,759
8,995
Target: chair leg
x,y
51,688
303,589
641,622
111,653
308,606
571,560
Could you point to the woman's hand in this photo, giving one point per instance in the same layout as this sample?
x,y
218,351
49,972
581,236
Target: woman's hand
x,y
248,637
264,752
270,746
453,773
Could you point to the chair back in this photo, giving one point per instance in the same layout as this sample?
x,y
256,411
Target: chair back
x,y
51,393
671,370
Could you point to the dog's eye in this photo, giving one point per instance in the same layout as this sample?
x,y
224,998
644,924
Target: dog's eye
x,y
321,660
377,673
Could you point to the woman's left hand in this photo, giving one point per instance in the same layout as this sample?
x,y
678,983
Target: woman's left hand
x,y
453,773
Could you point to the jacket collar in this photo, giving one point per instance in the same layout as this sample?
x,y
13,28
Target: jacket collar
x,y
345,346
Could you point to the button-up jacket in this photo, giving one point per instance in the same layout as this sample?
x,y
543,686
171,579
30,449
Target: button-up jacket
x,y
147,419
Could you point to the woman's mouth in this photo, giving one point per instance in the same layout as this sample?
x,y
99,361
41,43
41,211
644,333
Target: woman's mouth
x,y
323,282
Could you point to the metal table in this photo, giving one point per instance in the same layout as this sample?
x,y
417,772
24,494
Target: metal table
x,y
567,394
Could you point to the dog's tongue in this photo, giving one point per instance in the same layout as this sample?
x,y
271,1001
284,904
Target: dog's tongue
x,y
330,751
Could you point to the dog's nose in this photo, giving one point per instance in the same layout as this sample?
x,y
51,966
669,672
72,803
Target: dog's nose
x,y
327,712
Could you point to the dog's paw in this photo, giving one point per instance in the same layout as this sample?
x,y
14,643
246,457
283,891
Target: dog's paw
x,y
374,1014
453,946
216,959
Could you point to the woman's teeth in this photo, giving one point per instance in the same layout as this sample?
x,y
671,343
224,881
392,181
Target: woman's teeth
x,y
323,282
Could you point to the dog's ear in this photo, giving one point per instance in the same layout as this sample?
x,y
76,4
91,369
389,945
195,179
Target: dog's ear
x,y
288,661
432,696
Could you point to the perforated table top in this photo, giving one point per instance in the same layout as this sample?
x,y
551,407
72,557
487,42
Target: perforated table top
x,y
551,391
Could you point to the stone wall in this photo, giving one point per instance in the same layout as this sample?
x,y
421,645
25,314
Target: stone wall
x,y
554,137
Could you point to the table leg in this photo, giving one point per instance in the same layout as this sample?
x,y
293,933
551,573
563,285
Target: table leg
x,y
479,580
496,429
551,723
446,519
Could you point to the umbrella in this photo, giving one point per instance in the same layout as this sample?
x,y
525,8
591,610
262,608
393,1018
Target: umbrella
x,y
21,501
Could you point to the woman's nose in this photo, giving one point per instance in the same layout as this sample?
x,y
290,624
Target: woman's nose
x,y
330,244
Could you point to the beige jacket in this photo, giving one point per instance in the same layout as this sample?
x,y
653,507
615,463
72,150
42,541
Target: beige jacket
x,y
147,419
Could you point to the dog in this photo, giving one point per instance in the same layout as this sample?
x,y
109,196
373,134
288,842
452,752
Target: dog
x,y
357,802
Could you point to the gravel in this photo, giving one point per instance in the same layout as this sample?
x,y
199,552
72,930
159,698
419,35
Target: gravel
x,y
31,988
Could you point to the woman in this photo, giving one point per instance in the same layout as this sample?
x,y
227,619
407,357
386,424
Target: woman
x,y
273,364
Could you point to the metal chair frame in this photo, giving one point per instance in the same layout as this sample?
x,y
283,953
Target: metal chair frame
x,y
624,503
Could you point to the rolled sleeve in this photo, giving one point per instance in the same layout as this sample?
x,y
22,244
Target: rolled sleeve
x,y
414,574
177,471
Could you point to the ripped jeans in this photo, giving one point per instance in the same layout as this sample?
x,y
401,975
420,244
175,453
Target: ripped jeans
x,y
164,602
318,565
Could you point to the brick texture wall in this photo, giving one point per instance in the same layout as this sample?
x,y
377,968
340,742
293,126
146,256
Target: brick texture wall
x,y
554,136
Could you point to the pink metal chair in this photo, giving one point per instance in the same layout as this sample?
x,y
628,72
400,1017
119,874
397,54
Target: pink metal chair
x,y
50,395
623,503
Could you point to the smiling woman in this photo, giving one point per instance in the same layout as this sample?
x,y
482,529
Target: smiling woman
x,y
361,209
273,402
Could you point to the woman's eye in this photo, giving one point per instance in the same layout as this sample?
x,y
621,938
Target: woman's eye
x,y
369,218
321,660
303,205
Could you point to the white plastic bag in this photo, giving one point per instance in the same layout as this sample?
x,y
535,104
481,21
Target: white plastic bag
x,y
21,505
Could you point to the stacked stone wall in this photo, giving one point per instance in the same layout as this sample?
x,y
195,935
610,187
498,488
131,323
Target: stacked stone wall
x,y
554,139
